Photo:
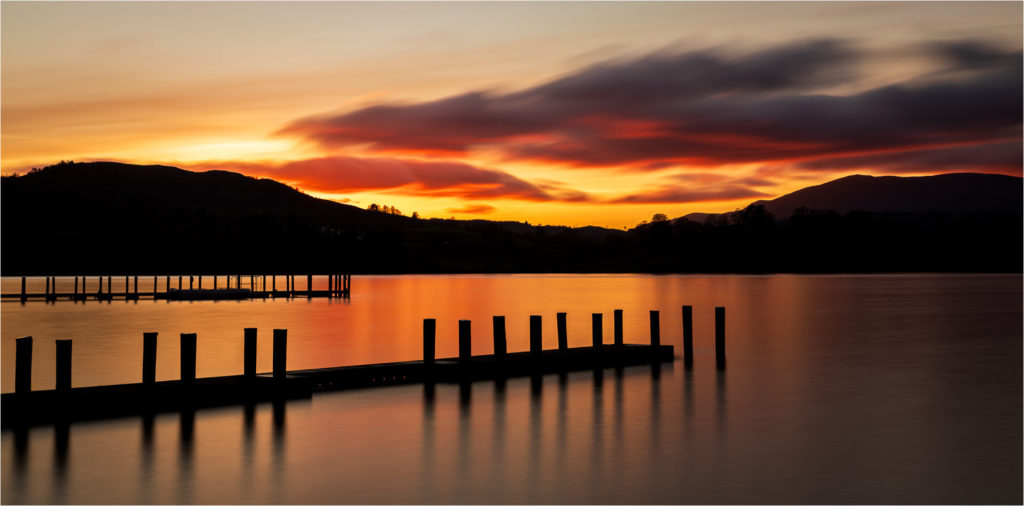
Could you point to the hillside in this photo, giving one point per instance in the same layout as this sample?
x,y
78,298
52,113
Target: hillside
x,y
944,193
113,217
109,218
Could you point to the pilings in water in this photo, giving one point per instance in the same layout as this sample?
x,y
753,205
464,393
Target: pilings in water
x,y
63,372
66,402
720,337
149,358
688,336
23,365
338,286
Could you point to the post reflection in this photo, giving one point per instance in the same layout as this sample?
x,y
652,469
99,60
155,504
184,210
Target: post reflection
x,y
186,430
248,438
596,426
61,436
655,415
428,424
536,436
498,428
277,473
21,448
465,437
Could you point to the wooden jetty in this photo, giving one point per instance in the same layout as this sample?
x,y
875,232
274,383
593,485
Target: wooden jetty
x,y
182,287
26,407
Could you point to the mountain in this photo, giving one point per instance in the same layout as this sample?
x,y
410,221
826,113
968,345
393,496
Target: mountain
x,y
114,219
945,193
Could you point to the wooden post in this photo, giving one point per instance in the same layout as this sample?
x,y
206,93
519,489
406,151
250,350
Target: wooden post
x,y
720,337
110,291
191,282
63,365
76,286
309,285
500,342
99,289
135,287
199,282
238,280
536,342
252,283
263,287
250,353
465,341
273,283
47,288
429,330
655,328
179,282
154,287
598,323
126,287
148,358
330,285
563,335
617,326
215,282
688,336
188,358
23,365
23,297
280,353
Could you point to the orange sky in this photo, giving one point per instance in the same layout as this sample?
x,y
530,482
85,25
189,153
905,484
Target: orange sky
x,y
553,113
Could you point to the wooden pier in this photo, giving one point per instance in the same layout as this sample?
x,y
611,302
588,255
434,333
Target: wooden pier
x,y
26,407
182,287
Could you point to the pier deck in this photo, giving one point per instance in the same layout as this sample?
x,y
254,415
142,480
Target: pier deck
x,y
51,406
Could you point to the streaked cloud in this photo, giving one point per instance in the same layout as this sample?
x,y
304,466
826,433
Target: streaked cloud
x,y
347,174
472,209
706,108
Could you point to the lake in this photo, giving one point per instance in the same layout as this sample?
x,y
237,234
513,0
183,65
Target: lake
x,y
839,389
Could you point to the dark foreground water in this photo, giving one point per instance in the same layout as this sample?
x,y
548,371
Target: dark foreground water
x,y
839,389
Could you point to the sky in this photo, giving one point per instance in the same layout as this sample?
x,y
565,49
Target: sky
x,y
557,113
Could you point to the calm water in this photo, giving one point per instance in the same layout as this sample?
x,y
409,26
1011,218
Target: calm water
x,y
840,389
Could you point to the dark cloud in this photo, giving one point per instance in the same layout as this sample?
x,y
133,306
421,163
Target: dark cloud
x,y
342,174
1001,157
707,108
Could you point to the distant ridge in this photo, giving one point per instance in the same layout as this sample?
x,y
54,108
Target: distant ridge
x,y
115,219
944,193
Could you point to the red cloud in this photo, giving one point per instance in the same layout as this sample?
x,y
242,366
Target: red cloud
x,y
472,209
676,195
342,174
708,108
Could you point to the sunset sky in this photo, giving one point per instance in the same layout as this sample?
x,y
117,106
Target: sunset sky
x,y
572,113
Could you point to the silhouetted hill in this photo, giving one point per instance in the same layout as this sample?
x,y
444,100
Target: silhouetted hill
x,y
945,193
111,218
114,217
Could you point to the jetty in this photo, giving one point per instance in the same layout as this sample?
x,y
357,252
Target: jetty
x,y
25,407
180,287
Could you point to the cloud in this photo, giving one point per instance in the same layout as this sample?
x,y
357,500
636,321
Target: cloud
x,y
1000,157
706,108
472,209
345,174
677,195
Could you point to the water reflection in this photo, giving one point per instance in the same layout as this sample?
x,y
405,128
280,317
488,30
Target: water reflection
x,y
61,436
186,433
767,430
